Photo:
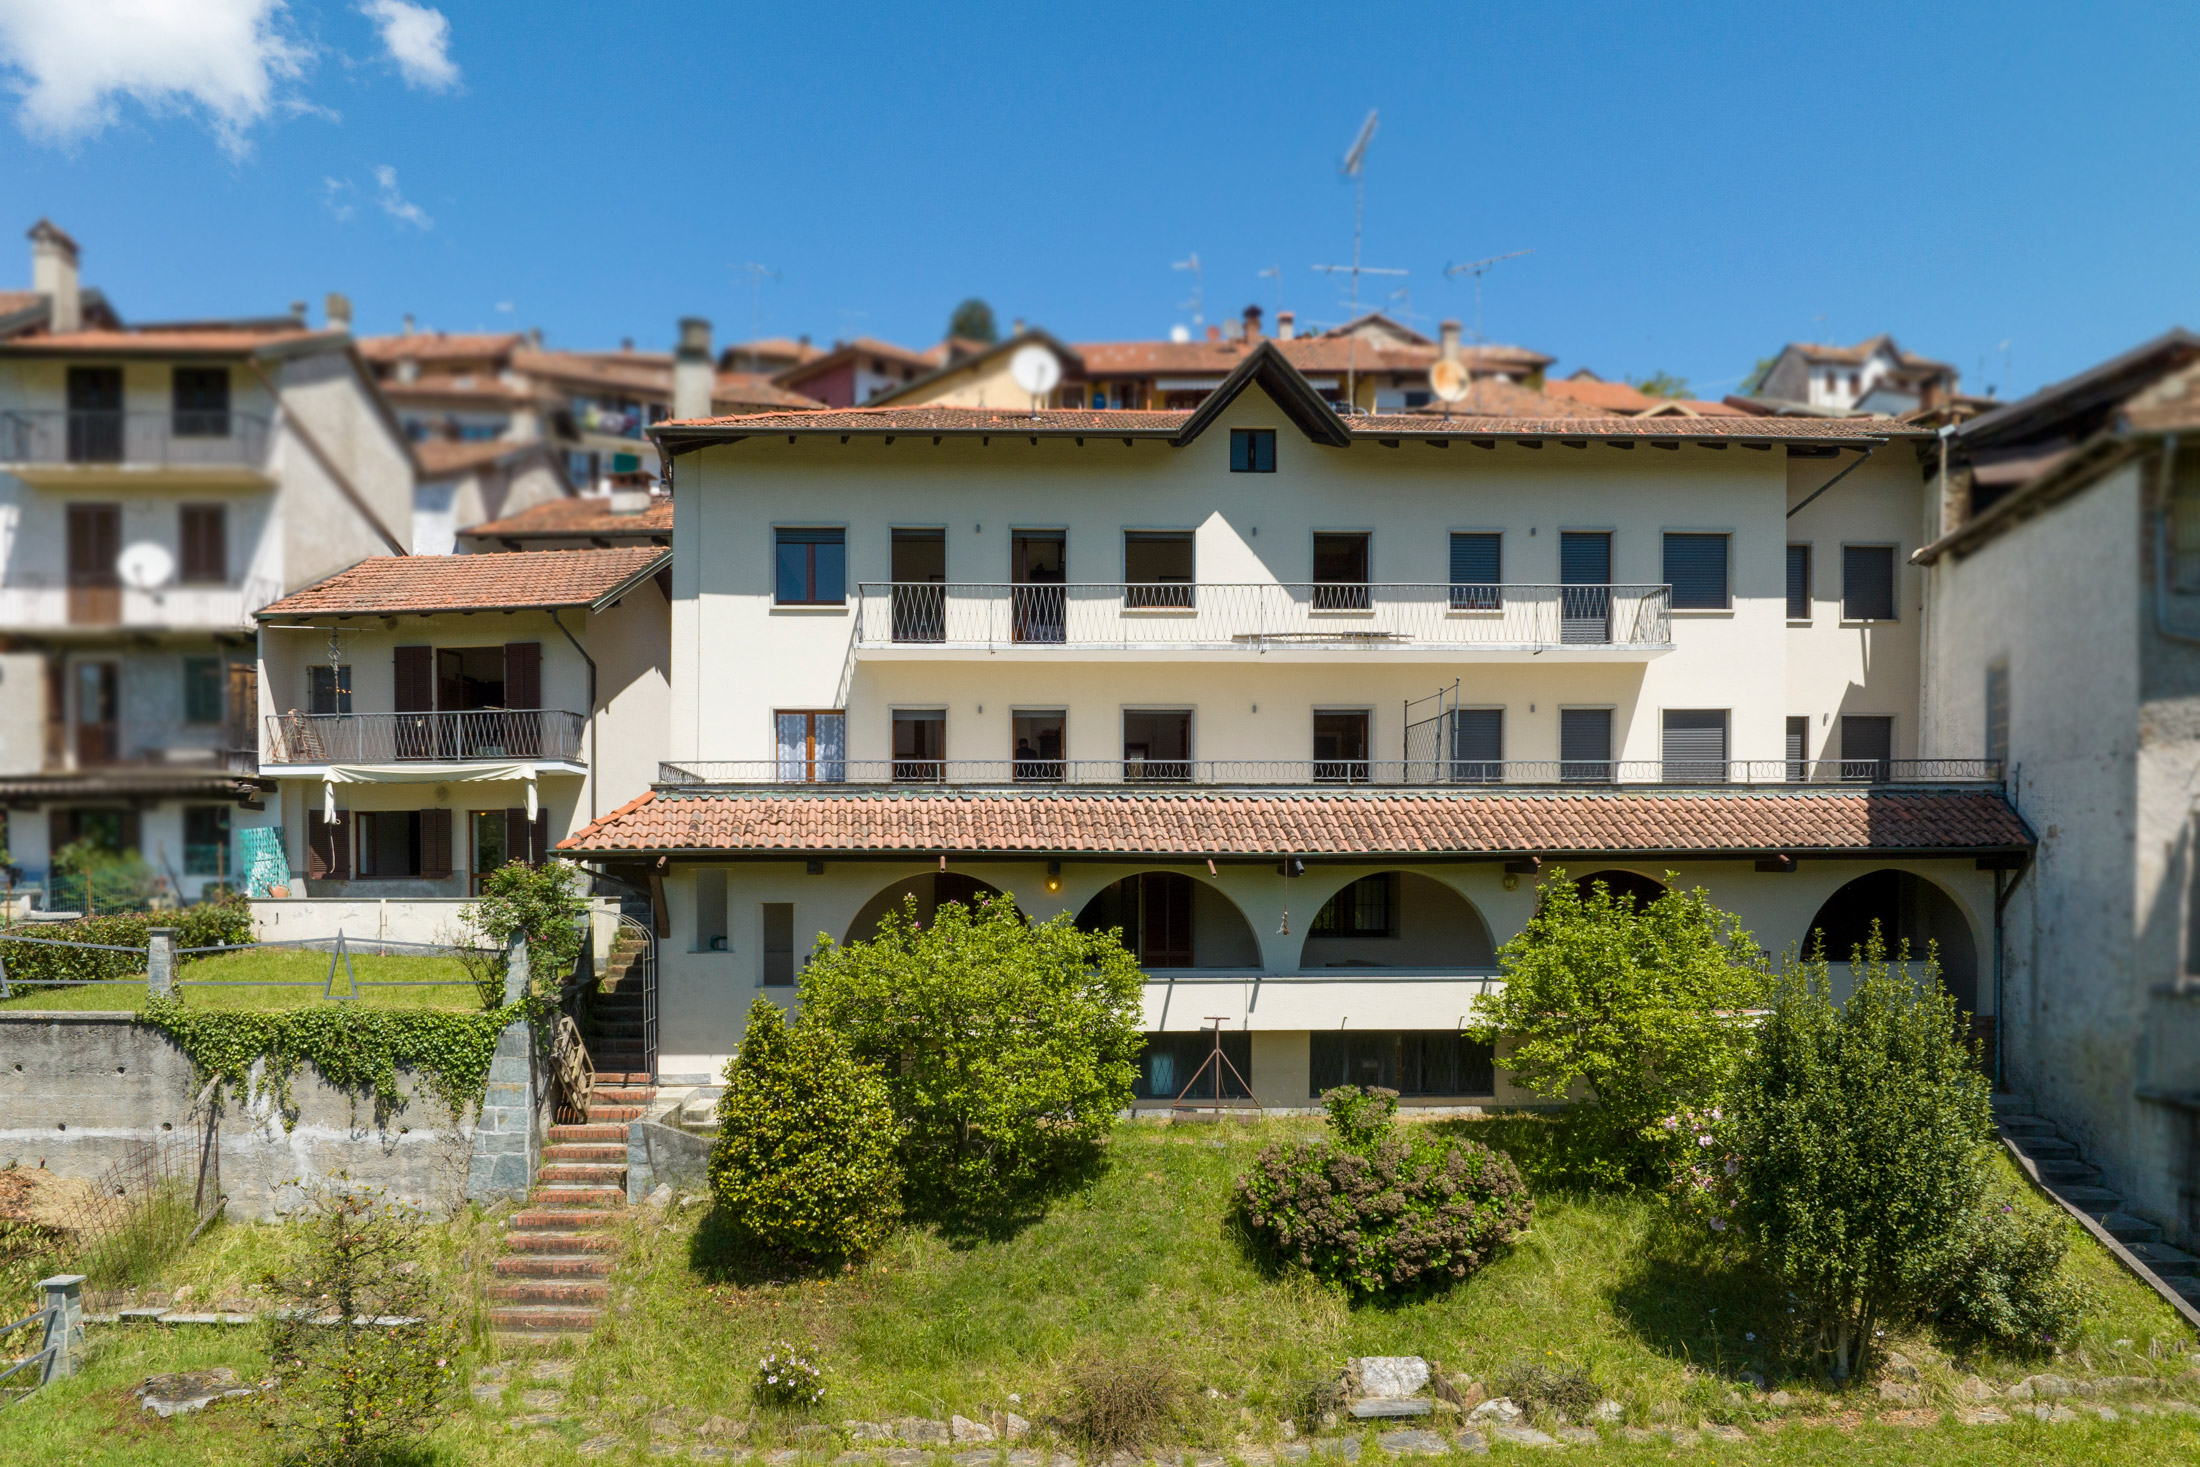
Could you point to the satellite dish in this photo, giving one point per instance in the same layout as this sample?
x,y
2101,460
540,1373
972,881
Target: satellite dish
x,y
1035,369
1180,334
1448,379
145,566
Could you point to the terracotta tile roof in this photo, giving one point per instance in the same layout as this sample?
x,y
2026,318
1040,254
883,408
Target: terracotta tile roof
x,y
1492,399
1844,355
569,518
12,301
1307,353
782,350
862,346
242,341
755,391
1617,396
1104,422
441,458
1238,823
642,372
392,585
451,389
428,346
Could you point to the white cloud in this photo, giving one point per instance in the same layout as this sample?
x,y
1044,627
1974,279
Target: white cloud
x,y
395,204
418,38
72,62
338,197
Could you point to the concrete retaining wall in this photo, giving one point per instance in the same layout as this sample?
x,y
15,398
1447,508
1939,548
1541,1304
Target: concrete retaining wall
x,y
393,919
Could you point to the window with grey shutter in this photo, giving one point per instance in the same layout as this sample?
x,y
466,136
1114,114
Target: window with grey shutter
x,y
1477,745
1798,583
1867,746
1867,583
1585,575
1695,567
1477,568
1997,711
1695,745
1798,750
1585,745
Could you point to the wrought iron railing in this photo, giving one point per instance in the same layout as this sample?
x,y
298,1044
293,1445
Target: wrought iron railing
x,y
389,738
1387,773
162,439
1259,616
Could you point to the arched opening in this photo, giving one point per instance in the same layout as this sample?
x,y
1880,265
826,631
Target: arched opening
x,y
1908,908
1631,886
1398,919
931,889
1169,920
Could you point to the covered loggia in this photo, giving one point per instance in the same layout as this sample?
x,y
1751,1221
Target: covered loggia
x,y
929,891
1909,909
1170,920
1397,919
1631,886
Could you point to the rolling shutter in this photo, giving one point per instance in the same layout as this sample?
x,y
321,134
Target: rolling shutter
x,y
1867,582
1585,558
1695,567
1695,745
1477,569
1585,744
1798,583
1478,744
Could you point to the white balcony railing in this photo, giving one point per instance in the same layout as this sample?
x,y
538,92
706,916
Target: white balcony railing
x,y
189,439
398,738
1392,773
217,608
1256,616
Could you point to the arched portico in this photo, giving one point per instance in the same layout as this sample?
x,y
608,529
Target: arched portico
x,y
1623,884
1397,919
1909,908
1171,919
930,889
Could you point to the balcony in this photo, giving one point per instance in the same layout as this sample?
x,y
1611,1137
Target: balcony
x,y
35,607
1375,773
131,744
1321,620
516,735
78,446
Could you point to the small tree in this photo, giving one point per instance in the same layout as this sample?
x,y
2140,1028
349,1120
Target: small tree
x,y
804,1164
545,902
1008,1048
973,321
1858,1131
1645,1006
362,1356
1660,384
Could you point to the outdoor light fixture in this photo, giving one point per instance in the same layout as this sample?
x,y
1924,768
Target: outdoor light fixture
x,y
1054,876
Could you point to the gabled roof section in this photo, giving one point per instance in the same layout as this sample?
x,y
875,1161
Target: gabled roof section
x,y
983,356
519,580
2072,402
1267,366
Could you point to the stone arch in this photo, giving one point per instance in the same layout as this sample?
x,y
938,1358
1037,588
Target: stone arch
x,y
929,888
1397,919
1171,919
1620,882
1909,908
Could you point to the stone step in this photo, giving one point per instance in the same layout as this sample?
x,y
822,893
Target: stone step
x,y
565,1293
2071,1172
2187,1285
510,1342
556,1243
581,1174
623,1094
2127,1230
568,1153
554,1265
600,1027
2168,1262
2039,1148
563,1219
564,1135
556,1194
2098,1201
2005,1102
541,1319
601,1114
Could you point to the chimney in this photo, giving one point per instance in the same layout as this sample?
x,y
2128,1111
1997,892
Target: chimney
x,y
53,275
692,374
338,308
1016,328
1286,325
1447,336
1252,325
1214,334
626,343
534,338
298,312
408,323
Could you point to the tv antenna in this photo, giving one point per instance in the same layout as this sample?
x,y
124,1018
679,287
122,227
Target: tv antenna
x,y
1478,269
1354,167
1274,272
757,274
1199,292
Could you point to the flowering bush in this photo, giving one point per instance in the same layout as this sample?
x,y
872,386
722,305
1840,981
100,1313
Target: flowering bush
x,y
789,1376
1378,1212
1701,1168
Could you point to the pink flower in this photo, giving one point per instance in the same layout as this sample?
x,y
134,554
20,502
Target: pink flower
x,y
1703,1140
1718,1225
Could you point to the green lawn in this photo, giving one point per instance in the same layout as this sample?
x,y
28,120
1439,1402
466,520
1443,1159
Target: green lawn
x,y
1141,1264
302,973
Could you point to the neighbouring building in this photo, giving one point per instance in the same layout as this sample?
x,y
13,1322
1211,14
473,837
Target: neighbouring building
x,y
427,718
159,484
578,524
1304,704
2065,638
1873,376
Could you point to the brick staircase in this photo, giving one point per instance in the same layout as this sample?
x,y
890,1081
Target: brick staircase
x,y
612,1027
2058,1166
554,1278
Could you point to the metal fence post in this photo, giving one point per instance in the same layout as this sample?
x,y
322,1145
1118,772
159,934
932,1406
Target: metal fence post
x,y
5,991
65,1325
160,962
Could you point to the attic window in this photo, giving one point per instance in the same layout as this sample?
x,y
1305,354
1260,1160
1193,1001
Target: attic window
x,y
1252,450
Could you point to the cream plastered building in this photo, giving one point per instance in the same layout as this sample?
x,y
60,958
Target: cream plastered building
x,y
1305,705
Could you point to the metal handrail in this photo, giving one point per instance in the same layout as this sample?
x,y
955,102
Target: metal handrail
x,y
166,438
1335,773
390,738
647,966
1261,615
43,1357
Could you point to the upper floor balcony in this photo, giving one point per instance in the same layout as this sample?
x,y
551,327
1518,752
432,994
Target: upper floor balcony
x,y
477,735
35,601
1321,620
79,444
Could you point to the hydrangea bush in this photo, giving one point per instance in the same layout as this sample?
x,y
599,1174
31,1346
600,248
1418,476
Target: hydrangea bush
x,y
788,1376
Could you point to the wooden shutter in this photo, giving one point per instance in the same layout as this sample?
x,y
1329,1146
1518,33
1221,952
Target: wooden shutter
x,y
203,530
523,674
328,847
415,679
516,832
435,843
540,852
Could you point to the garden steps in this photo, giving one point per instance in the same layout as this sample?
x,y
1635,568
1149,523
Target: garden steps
x,y
554,1278
2058,1167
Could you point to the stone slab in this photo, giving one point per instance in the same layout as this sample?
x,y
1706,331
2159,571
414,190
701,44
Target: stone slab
x,y
1413,1443
1391,1375
1380,1408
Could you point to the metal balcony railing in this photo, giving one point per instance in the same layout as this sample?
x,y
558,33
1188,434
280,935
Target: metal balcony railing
x,y
1256,616
135,439
391,738
38,598
1386,773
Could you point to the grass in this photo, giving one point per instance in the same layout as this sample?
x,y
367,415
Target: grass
x,y
1140,1264
308,971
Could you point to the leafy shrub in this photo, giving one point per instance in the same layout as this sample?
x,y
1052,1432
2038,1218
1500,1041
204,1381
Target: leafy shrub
x,y
546,903
804,1165
2008,1285
1859,1135
1008,1048
1120,1402
350,1391
1378,1212
1566,1389
789,1377
1636,1010
208,924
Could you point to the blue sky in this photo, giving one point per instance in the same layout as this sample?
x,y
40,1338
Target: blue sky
x,y
2009,187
